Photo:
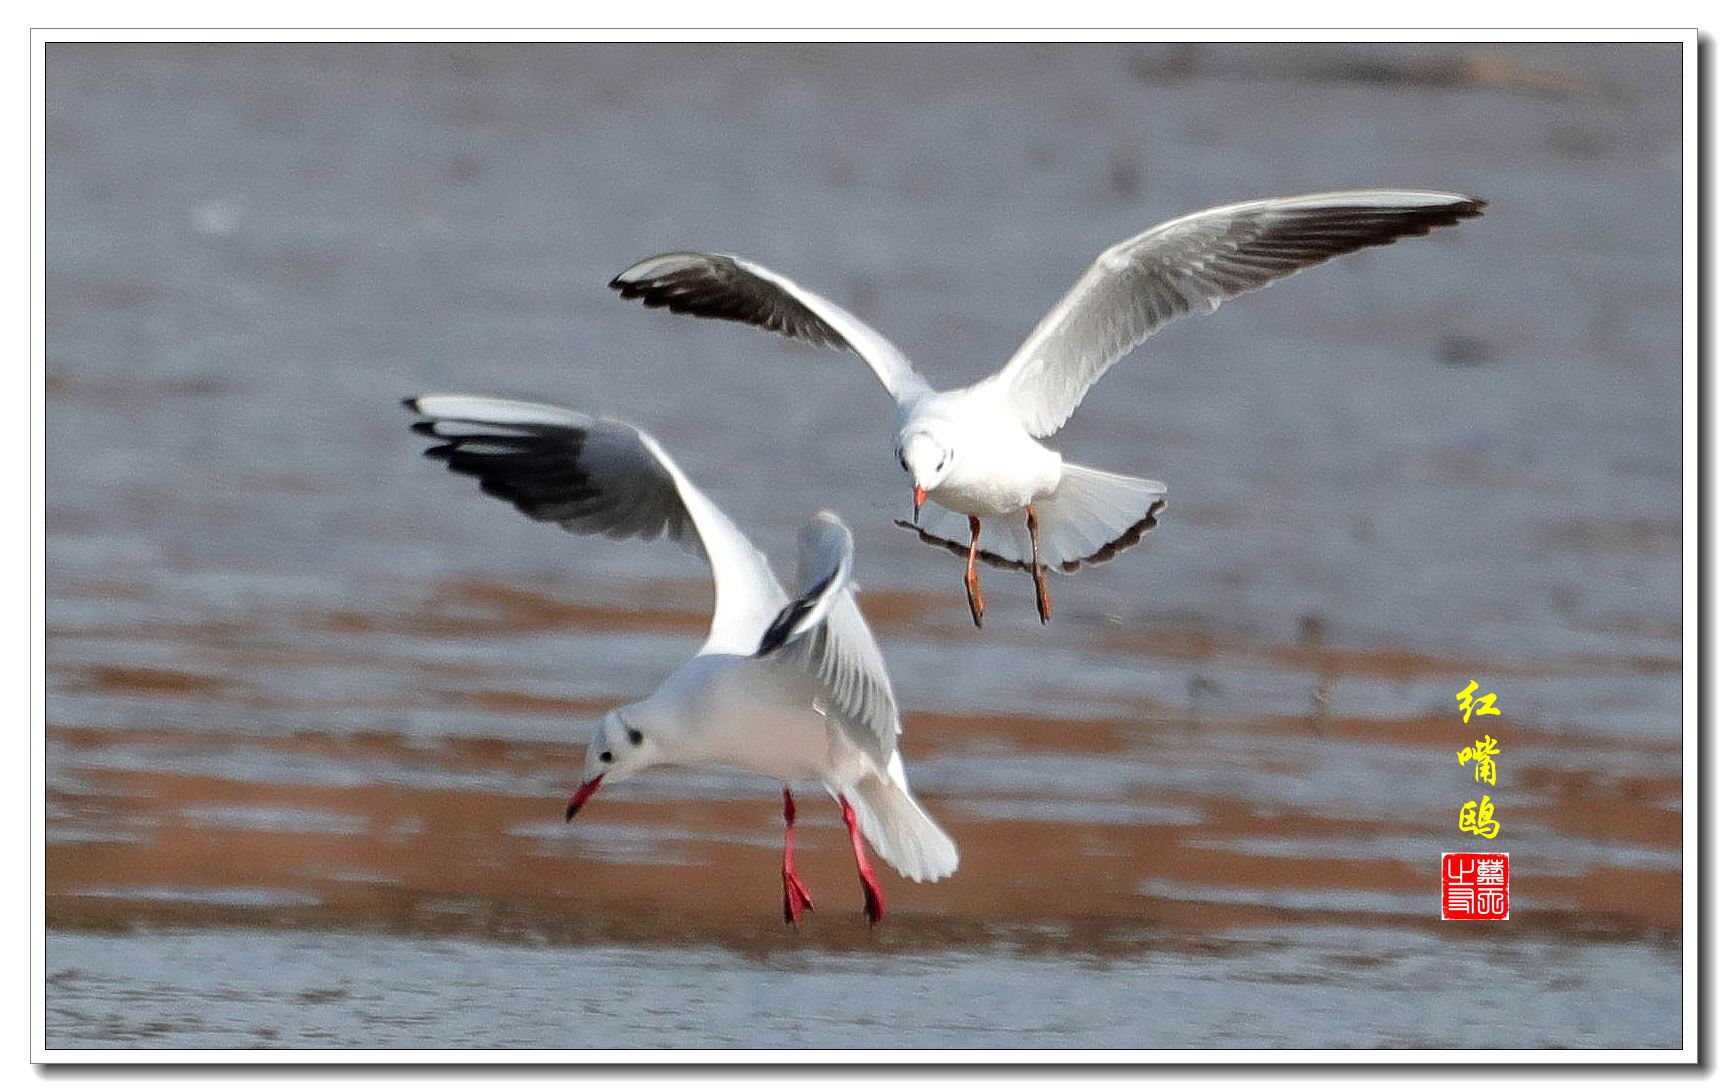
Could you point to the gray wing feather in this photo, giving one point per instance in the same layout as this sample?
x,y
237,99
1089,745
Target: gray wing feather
x,y
722,286
597,476
1194,263
823,634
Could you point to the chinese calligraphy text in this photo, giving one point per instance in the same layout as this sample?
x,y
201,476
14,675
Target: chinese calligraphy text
x,y
1478,818
1483,706
1482,753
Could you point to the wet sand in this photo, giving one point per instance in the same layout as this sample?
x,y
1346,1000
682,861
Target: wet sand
x,y
314,706
362,855
462,833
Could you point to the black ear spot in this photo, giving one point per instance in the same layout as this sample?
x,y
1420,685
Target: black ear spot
x,y
634,736
605,756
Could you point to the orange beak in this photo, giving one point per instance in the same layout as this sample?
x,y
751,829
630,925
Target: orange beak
x,y
919,493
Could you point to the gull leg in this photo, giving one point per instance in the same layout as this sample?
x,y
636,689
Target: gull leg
x,y
1038,567
866,876
797,898
974,597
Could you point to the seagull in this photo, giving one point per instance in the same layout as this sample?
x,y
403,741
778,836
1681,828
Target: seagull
x,y
1006,498
792,689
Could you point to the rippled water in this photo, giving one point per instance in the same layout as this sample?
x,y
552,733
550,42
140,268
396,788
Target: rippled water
x,y
1273,988
314,705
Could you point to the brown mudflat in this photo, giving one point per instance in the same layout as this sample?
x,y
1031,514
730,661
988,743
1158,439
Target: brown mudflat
x,y
1085,833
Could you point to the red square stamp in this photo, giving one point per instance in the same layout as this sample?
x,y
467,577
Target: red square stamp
x,y
1473,886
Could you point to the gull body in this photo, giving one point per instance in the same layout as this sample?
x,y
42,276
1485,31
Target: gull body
x,y
1001,495
727,709
792,688
969,458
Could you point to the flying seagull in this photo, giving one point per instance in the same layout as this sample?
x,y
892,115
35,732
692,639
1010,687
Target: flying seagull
x,y
1006,498
793,689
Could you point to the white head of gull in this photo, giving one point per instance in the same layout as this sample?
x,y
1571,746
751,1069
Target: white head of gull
x,y
792,688
1003,497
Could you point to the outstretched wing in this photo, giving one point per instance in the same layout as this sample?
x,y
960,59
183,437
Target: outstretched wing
x,y
721,286
597,476
1195,263
822,633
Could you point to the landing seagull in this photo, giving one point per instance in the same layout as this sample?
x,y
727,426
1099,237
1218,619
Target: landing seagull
x,y
975,450
796,690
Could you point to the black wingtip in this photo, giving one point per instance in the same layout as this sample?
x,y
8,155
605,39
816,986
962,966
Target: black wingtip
x,y
413,402
775,636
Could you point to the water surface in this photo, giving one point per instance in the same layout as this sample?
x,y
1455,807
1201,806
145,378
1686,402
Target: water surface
x,y
314,706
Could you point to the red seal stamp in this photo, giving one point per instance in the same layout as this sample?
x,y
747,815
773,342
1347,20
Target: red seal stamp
x,y
1473,886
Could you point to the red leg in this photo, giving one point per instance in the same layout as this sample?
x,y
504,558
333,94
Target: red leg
x,y
866,876
974,597
1038,566
797,898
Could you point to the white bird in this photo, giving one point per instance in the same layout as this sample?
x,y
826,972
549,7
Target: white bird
x,y
975,450
796,690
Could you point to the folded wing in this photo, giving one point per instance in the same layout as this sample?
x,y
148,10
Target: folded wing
x,y
597,476
1195,263
822,632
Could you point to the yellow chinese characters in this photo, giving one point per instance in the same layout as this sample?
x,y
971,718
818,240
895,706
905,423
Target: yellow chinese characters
x,y
1483,705
1474,818
1482,753
1477,817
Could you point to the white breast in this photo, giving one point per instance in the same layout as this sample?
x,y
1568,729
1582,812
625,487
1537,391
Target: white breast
x,y
997,467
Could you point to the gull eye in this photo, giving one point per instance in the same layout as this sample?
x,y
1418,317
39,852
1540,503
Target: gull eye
x,y
634,736
605,756
940,465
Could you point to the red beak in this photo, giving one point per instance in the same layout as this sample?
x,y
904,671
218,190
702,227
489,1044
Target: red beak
x,y
919,493
581,797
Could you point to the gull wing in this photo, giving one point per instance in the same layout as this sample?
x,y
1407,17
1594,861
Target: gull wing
x,y
822,633
597,476
721,286
1192,263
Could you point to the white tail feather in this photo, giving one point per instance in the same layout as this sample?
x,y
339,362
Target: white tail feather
x,y
1093,511
1092,515
899,829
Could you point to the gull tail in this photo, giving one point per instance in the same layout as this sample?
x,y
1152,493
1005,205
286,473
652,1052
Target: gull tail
x,y
1093,516
899,829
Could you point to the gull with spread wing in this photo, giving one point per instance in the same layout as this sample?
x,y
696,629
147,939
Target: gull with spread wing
x,y
792,689
1006,498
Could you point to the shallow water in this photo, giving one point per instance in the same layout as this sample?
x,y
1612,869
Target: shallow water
x,y
314,706
1271,988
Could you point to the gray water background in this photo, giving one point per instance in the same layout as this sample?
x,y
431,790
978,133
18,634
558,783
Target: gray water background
x,y
1466,446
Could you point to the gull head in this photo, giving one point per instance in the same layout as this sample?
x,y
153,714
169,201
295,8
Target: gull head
x,y
620,747
928,460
